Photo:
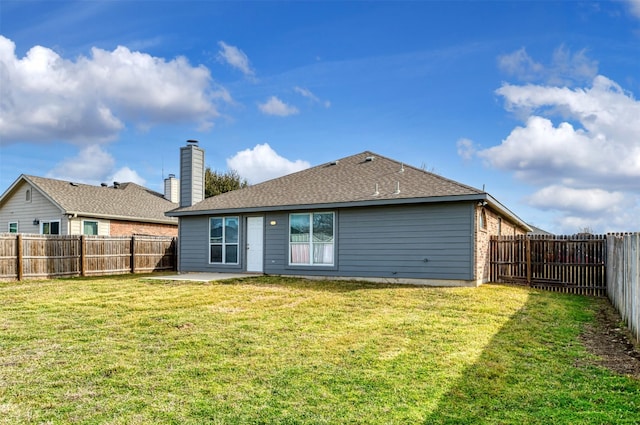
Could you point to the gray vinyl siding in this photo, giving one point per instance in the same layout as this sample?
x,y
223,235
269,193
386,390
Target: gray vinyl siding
x,y
421,242
376,242
276,240
17,209
388,242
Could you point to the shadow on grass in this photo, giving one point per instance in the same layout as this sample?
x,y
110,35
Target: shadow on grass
x,y
536,370
319,284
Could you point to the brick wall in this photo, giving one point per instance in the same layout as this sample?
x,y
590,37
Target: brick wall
x,y
128,228
494,225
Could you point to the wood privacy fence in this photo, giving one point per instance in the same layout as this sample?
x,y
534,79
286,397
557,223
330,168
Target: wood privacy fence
x,y
570,264
623,278
26,256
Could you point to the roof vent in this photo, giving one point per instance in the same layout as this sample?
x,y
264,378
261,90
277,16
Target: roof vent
x,y
333,163
116,185
397,188
73,184
192,142
402,167
369,158
104,184
377,192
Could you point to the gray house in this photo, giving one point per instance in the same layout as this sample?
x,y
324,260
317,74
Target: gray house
x,y
363,217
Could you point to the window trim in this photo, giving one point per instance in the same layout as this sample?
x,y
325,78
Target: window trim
x,y
91,221
17,227
311,242
42,223
483,220
224,244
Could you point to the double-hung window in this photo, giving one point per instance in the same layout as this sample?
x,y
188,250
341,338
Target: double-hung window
x,y
223,240
50,227
311,238
13,227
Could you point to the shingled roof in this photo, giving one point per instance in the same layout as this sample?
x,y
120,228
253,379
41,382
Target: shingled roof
x,y
127,201
364,178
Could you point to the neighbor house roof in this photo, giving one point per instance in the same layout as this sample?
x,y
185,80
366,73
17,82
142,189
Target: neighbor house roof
x,y
126,201
358,180
538,231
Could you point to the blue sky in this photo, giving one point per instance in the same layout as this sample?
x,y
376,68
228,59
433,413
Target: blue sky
x,y
537,101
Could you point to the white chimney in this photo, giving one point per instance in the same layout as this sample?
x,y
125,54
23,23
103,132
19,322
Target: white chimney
x,y
191,174
172,189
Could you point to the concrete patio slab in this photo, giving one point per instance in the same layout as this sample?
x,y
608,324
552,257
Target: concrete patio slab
x,y
203,277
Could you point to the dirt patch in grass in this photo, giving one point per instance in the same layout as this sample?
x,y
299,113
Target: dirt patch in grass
x,y
612,342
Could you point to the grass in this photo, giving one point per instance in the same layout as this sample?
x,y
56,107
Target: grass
x,y
124,350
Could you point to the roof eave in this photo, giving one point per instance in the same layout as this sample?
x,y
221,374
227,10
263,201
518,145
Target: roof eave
x,y
493,203
349,204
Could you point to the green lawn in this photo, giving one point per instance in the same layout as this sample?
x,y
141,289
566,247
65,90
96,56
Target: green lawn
x,y
125,350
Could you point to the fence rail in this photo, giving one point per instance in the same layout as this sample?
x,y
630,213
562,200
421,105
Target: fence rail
x,y
570,264
623,278
26,256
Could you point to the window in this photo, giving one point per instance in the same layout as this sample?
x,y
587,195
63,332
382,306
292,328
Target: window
x,y
27,196
223,240
311,239
499,226
13,227
50,227
90,228
483,219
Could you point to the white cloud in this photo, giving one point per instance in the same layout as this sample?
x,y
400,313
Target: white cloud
x,y
616,219
126,174
275,106
46,98
603,148
309,95
263,163
565,68
520,64
634,6
235,57
557,197
93,165
466,149
580,146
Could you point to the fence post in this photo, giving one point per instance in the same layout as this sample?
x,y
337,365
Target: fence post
x,y
19,259
528,254
133,254
83,253
176,258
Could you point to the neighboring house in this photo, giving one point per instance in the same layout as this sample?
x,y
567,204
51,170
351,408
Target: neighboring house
x,y
361,217
48,206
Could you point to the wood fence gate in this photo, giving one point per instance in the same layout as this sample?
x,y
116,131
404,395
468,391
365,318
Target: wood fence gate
x,y
573,264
